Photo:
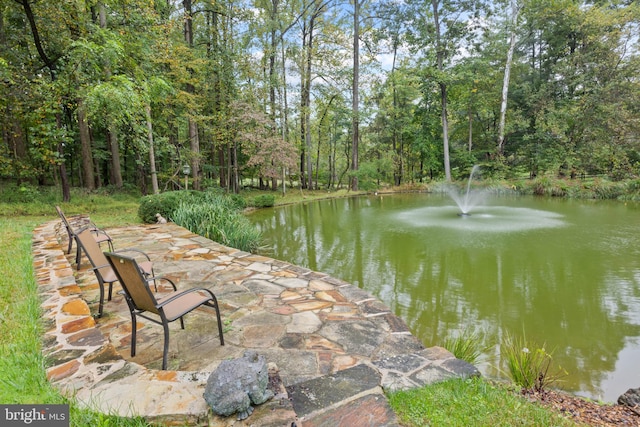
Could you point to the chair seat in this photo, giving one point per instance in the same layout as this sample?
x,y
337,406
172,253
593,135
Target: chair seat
x,y
183,304
100,238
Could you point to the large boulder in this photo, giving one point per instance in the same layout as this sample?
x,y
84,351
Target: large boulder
x,y
237,384
630,398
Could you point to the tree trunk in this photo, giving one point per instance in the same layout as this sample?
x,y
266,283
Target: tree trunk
x,y
194,140
355,94
443,91
307,110
152,155
116,171
304,116
112,129
507,73
86,154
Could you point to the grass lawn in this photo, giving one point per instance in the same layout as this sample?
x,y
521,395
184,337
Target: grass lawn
x,y
23,380
470,402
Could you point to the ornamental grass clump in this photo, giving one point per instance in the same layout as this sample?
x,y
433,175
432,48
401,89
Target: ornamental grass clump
x,y
217,217
466,346
530,366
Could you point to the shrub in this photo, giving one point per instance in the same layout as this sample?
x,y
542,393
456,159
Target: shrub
x,y
529,369
24,193
606,190
264,201
239,201
165,204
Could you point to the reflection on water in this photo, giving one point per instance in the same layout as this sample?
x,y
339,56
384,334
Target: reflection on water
x,y
565,272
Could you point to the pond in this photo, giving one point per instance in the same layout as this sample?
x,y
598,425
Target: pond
x,y
565,273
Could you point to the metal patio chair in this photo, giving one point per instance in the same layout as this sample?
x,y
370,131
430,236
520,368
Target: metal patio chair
x,y
101,267
142,301
99,235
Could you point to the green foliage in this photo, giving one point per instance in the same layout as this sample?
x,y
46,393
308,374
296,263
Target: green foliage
x,y
217,217
603,189
238,201
165,204
23,193
466,346
469,402
263,201
529,365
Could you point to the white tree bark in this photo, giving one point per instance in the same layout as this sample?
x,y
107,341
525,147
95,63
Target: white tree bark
x,y
515,9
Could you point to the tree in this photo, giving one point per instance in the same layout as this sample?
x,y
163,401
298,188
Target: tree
x,y
355,96
515,10
49,62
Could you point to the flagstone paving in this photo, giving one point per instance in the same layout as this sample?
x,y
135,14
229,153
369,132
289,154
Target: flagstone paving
x,y
332,348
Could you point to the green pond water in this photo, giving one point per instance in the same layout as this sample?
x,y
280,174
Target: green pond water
x,y
563,272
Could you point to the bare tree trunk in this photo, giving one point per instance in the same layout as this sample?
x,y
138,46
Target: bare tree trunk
x,y
152,154
515,9
355,95
194,140
285,109
116,170
304,106
307,110
443,92
88,176
194,144
470,115
112,130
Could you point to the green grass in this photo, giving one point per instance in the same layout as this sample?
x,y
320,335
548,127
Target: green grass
x,y
23,379
470,402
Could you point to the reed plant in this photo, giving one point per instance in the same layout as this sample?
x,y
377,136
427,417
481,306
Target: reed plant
x,y
217,217
466,346
528,365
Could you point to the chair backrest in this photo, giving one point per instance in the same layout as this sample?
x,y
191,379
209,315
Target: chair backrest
x,y
133,282
65,221
91,248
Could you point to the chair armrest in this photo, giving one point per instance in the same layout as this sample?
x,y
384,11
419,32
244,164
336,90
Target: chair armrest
x,y
133,250
186,291
99,231
154,278
99,267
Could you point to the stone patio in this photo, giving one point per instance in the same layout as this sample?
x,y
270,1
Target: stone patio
x,y
333,349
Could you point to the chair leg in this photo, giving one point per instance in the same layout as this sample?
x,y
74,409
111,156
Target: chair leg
x,y
110,290
134,328
101,303
219,321
78,257
70,243
165,352
217,308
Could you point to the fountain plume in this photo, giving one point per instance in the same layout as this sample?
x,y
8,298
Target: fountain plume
x,y
469,199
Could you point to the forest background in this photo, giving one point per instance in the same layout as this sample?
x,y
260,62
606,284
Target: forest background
x,y
321,94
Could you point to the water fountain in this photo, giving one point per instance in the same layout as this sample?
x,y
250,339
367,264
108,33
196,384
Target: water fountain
x,y
482,214
469,199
